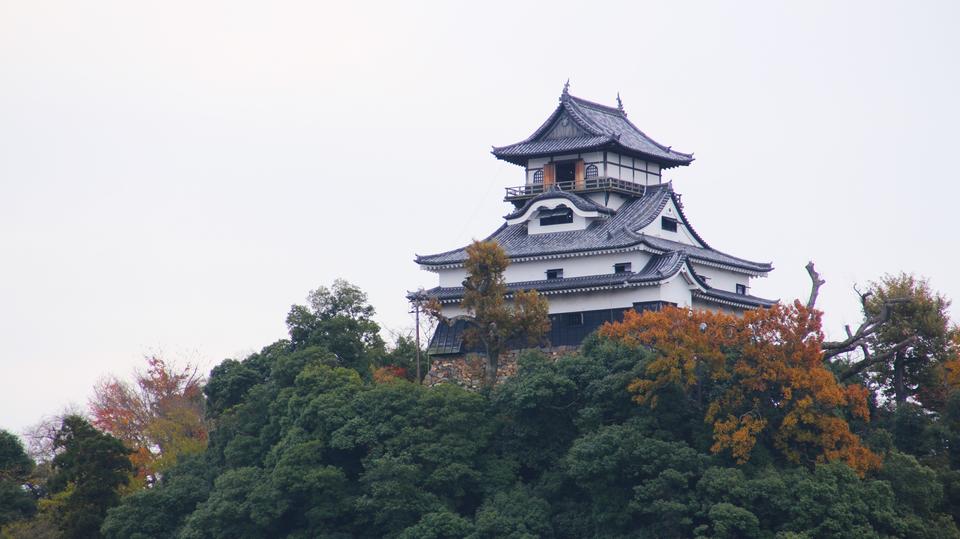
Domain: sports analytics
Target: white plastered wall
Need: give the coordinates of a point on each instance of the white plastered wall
(608, 199)
(631, 169)
(721, 279)
(580, 266)
(674, 291)
(536, 270)
(682, 234)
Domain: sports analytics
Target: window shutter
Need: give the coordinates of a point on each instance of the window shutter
(578, 174)
(549, 175)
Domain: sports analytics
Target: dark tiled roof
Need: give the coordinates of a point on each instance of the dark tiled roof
(584, 204)
(657, 268)
(617, 232)
(553, 146)
(604, 127)
(732, 298)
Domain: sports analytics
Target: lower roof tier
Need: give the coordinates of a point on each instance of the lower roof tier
(616, 232)
(658, 270)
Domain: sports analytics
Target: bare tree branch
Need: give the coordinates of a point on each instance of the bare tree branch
(816, 283)
(859, 338)
(870, 361)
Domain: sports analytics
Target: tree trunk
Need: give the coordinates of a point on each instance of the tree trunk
(490, 372)
(899, 387)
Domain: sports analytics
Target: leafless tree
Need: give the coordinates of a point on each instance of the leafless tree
(858, 339)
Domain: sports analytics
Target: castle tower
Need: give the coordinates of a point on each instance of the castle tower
(597, 231)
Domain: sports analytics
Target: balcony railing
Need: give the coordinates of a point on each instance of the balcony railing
(588, 184)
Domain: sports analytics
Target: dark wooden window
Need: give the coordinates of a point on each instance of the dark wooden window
(557, 216)
(538, 177)
(592, 171)
(651, 305)
(566, 171)
(554, 274)
(622, 267)
(668, 223)
(572, 319)
(742, 289)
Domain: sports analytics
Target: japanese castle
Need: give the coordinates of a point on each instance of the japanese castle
(596, 230)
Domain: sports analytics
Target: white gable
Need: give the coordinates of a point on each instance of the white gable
(581, 218)
(682, 234)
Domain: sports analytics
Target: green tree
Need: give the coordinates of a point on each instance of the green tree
(94, 465)
(157, 512)
(918, 314)
(302, 447)
(15, 467)
(491, 321)
(340, 320)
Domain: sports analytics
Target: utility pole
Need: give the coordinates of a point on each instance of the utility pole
(418, 299)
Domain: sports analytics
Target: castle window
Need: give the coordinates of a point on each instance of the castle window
(538, 177)
(742, 289)
(566, 171)
(554, 274)
(591, 171)
(622, 267)
(572, 319)
(557, 216)
(655, 306)
(668, 223)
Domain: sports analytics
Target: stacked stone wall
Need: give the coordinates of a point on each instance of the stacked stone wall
(467, 369)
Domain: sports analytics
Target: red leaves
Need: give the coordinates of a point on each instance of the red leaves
(158, 417)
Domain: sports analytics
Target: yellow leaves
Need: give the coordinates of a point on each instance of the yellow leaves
(739, 435)
(768, 377)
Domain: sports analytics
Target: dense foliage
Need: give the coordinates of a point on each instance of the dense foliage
(642, 433)
(752, 377)
(557, 451)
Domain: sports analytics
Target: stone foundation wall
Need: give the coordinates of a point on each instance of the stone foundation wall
(467, 369)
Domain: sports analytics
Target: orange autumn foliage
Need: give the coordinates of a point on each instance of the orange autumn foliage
(159, 417)
(759, 376)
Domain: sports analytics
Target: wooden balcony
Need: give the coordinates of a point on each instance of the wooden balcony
(586, 185)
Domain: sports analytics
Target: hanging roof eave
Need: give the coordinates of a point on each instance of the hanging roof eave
(604, 131)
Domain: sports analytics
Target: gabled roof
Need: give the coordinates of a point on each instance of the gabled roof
(616, 233)
(658, 269)
(580, 202)
(595, 126)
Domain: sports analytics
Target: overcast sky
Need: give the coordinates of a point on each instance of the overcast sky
(174, 175)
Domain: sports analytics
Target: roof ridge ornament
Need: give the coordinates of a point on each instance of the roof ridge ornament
(620, 105)
(566, 90)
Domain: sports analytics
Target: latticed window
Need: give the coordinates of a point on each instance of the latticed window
(591, 171)
(538, 176)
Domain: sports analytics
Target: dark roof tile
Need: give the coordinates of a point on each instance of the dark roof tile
(604, 126)
(616, 232)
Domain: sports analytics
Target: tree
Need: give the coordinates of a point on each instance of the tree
(340, 320)
(491, 321)
(906, 342)
(160, 416)
(90, 466)
(919, 316)
(761, 375)
(15, 468)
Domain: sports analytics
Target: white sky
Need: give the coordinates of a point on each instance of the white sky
(174, 175)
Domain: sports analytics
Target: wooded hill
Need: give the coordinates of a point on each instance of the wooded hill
(670, 424)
